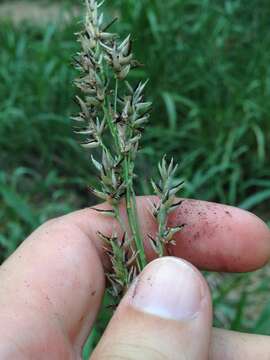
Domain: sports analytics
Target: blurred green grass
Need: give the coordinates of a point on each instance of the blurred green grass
(208, 65)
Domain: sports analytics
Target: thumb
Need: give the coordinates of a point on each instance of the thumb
(166, 314)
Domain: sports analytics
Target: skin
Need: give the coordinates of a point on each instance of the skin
(52, 286)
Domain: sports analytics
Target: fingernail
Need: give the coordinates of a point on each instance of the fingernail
(169, 288)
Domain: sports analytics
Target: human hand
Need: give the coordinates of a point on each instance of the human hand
(52, 286)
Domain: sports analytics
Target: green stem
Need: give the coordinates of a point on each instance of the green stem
(162, 220)
(132, 214)
(115, 95)
(111, 125)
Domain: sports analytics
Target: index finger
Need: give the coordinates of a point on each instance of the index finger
(215, 237)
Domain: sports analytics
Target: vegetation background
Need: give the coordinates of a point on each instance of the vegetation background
(208, 62)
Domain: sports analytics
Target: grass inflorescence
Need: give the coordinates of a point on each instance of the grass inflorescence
(112, 119)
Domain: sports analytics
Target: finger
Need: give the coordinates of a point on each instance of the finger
(166, 314)
(220, 237)
(51, 289)
(231, 345)
(216, 237)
